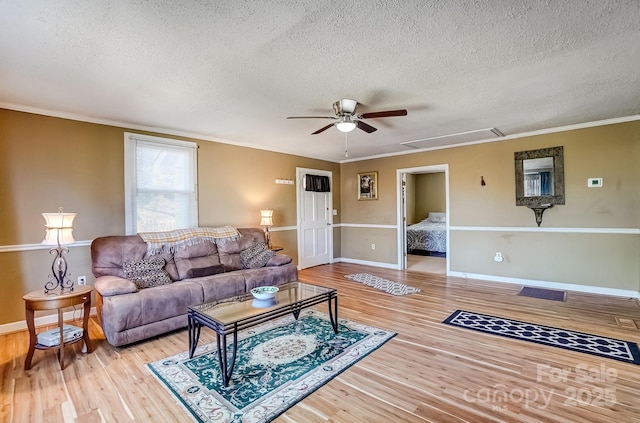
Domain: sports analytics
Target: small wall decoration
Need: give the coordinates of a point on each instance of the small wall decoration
(368, 186)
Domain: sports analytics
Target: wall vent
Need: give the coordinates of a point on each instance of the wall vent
(457, 138)
(625, 322)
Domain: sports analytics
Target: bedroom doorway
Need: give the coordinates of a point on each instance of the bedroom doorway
(429, 237)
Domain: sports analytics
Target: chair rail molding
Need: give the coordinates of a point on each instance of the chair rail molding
(32, 247)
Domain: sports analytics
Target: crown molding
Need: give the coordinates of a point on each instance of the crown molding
(194, 135)
(604, 122)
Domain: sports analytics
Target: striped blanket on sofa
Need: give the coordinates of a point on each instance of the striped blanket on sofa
(170, 241)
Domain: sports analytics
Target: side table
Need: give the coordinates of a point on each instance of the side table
(38, 300)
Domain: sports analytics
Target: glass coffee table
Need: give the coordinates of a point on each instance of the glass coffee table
(228, 316)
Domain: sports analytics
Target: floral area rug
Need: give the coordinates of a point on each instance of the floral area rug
(278, 364)
(390, 287)
(601, 346)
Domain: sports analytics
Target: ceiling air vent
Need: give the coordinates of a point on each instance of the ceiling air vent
(453, 139)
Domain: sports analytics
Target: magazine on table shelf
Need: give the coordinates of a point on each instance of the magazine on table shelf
(51, 337)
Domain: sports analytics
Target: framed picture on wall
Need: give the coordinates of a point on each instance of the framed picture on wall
(368, 186)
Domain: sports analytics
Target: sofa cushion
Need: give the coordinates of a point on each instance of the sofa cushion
(196, 256)
(230, 251)
(221, 286)
(148, 312)
(279, 260)
(108, 254)
(269, 276)
(146, 273)
(205, 271)
(256, 256)
(108, 286)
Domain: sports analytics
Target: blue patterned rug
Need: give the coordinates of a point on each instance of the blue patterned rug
(546, 335)
(278, 364)
(390, 287)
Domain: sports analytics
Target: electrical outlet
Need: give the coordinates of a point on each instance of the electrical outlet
(82, 280)
(373, 246)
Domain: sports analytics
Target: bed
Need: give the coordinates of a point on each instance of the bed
(428, 236)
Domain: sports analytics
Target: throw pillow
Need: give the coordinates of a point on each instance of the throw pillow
(146, 273)
(256, 256)
(205, 271)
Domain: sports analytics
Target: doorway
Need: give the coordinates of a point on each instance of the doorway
(423, 262)
(315, 221)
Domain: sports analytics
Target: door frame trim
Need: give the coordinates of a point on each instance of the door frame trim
(300, 171)
(402, 248)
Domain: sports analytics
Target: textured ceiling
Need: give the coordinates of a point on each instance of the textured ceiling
(234, 70)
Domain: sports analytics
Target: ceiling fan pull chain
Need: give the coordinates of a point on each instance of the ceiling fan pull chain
(346, 144)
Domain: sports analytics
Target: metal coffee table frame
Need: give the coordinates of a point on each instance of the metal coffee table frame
(197, 319)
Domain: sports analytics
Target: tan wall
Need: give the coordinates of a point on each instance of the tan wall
(430, 195)
(384, 239)
(611, 152)
(601, 260)
(47, 162)
(410, 198)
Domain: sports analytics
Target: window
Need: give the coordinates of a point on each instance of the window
(160, 180)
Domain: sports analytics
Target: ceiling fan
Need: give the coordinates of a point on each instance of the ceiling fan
(346, 119)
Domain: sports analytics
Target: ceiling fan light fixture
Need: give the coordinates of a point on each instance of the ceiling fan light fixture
(346, 126)
(347, 105)
(346, 119)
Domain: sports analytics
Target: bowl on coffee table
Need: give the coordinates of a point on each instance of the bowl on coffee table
(263, 293)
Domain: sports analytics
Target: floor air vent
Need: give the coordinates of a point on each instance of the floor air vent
(626, 323)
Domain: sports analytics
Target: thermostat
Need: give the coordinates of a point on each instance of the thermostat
(594, 182)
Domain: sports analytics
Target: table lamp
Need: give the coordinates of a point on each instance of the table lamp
(266, 221)
(59, 232)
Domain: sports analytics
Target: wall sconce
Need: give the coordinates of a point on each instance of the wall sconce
(59, 232)
(266, 221)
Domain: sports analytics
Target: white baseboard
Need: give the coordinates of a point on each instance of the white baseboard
(51, 319)
(552, 285)
(366, 263)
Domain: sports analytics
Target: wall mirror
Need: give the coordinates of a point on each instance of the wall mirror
(539, 179)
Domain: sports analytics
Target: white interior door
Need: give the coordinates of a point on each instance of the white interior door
(404, 221)
(315, 231)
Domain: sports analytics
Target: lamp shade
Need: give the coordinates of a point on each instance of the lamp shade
(346, 126)
(59, 228)
(266, 218)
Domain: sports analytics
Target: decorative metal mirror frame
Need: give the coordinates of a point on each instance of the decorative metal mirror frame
(540, 203)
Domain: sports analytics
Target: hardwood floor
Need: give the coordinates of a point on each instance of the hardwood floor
(430, 372)
(426, 264)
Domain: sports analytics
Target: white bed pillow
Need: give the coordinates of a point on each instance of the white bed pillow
(437, 217)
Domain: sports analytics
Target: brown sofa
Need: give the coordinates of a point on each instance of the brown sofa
(129, 314)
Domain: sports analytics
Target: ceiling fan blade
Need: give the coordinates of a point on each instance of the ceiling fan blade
(388, 113)
(365, 126)
(311, 117)
(322, 129)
